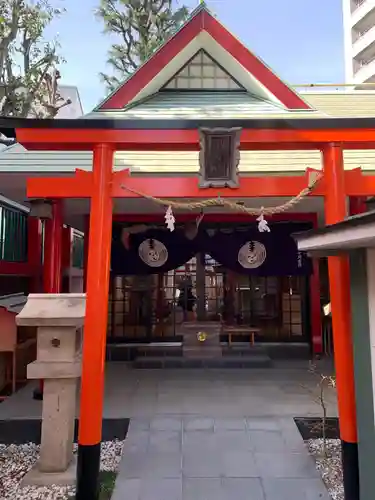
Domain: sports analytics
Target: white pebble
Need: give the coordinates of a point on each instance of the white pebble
(329, 466)
(16, 461)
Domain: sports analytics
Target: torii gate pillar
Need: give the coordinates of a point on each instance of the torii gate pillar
(339, 281)
(95, 328)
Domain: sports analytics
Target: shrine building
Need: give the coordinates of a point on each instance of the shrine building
(188, 183)
(202, 73)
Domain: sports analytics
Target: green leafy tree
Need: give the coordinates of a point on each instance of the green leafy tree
(139, 26)
(28, 63)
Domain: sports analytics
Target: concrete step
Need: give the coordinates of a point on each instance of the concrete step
(154, 362)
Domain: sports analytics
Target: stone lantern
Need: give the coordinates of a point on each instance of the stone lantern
(59, 320)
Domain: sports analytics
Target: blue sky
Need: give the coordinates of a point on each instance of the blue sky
(301, 40)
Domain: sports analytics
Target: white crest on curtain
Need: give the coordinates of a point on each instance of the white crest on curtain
(252, 255)
(153, 253)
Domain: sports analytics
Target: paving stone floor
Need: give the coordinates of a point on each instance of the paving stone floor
(288, 389)
(202, 458)
(222, 435)
(209, 434)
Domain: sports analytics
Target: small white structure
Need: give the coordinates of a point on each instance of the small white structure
(355, 237)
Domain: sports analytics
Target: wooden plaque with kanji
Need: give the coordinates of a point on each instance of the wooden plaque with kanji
(219, 157)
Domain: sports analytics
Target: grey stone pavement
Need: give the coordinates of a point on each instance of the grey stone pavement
(203, 458)
(209, 434)
(222, 435)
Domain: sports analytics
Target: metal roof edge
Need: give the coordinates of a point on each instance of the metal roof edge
(9, 125)
(350, 222)
(13, 204)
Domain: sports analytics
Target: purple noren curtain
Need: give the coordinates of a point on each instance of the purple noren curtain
(278, 257)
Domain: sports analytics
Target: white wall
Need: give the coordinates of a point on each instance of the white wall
(347, 25)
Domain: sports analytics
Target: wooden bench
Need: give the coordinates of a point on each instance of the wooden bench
(240, 330)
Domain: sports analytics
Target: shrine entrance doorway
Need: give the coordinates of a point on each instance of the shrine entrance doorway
(152, 308)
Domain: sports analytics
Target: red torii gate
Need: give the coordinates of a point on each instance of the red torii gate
(104, 137)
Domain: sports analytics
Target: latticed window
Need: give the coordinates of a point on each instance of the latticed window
(202, 73)
(13, 235)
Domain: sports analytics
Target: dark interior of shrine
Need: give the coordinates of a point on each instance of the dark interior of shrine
(227, 273)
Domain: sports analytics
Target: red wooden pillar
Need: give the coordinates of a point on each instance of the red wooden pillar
(53, 241)
(339, 282)
(95, 329)
(34, 252)
(52, 263)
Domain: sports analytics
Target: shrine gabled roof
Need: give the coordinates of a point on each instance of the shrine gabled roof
(203, 31)
(203, 105)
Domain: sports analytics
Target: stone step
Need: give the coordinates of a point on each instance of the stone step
(275, 352)
(244, 351)
(289, 351)
(224, 362)
(159, 351)
(129, 353)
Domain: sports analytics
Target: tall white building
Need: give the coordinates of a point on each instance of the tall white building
(359, 39)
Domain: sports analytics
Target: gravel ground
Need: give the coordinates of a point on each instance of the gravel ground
(15, 461)
(329, 466)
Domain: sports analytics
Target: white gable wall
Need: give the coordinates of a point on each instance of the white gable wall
(219, 54)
